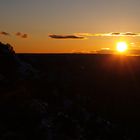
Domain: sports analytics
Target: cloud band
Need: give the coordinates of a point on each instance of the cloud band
(54, 36)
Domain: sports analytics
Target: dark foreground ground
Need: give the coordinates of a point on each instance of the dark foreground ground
(77, 96)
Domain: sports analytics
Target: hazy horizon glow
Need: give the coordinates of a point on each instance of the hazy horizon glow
(65, 26)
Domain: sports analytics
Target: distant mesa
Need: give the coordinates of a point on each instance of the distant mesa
(105, 51)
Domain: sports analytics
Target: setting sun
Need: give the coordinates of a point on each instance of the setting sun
(122, 47)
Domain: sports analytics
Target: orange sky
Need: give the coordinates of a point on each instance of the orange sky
(35, 20)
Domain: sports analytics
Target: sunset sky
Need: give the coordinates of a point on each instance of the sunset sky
(47, 26)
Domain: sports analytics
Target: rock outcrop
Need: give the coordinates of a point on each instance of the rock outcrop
(12, 68)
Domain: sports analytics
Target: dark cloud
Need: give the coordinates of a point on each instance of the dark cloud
(18, 34)
(131, 34)
(21, 35)
(66, 36)
(115, 33)
(121, 34)
(24, 36)
(4, 33)
(85, 35)
(109, 34)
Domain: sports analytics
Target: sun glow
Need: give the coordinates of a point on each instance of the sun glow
(122, 47)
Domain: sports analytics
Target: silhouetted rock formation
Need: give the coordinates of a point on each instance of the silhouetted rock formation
(6, 49)
(12, 68)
